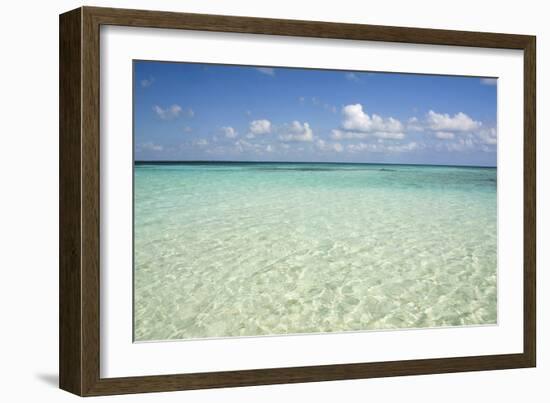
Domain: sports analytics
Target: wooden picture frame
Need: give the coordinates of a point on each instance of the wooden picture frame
(79, 348)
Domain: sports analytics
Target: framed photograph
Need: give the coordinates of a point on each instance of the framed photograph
(249, 201)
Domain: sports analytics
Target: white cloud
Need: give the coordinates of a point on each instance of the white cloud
(324, 146)
(169, 113)
(480, 140)
(488, 136)
(242, 145)
(414, 125)
(187, 129)
(389, 135)
(147, 82)
(351, 76)
(260, 126)
(444, 122)
(461, 144)
(317, 102)
(355, 119)
(444, 135)
(172, 112)
(404, 147)
(382, 148)
(359, 147)
(201, 142)
(229, 132)
(150, 146)
(357, 124)
(297, 132)
(489, 81)
(460, 132)
(266, 70)
(337, 134)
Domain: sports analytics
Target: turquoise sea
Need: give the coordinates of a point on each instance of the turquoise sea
(248, 249)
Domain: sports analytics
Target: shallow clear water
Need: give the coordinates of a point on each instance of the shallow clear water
(259, 249)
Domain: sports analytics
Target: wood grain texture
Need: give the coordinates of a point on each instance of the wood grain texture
(80, 201)
(316, 29)
(90, 202)
(70, 271)
(161, 383)
(530, 203)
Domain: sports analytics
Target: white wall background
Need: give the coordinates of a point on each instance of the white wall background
(29, 199)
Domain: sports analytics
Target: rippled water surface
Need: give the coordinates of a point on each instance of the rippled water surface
(261, 249)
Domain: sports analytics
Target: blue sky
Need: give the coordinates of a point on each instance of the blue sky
(185, 111)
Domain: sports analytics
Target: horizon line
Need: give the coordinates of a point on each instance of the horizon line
(138, 162)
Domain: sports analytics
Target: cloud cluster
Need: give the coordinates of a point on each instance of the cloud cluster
(169, 113)
(325, 146)
(488, 136)
(242, 145)
(337, 134)
(444, 122)
(357, 124)
(172, 112)
(415, 125)
(297, 131)
(461, 144)
(229, 132)
(355, 119)
(380, 147)
(260, 126)
(358, 132)
(458, 133)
